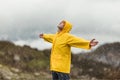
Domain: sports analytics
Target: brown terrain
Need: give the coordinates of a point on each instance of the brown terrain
(26, 63)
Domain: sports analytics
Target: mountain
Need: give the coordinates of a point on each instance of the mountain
(102, 63)
(108, 53)
(17, 61)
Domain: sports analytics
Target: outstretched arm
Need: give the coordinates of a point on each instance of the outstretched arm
(80, 42)
(47, 37)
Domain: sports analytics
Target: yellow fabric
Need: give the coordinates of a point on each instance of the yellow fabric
(49, 37)
(60, 58)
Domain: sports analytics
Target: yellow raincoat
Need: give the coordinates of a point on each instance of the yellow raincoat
(60, 59)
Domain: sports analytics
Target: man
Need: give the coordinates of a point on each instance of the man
(60, 59)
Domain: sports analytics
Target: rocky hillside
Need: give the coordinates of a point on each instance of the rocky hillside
(107, 53)
(26, 63)
(23, 63)
(102, 63)
(24, 58)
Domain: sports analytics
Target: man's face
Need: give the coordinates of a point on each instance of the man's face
(61, 25)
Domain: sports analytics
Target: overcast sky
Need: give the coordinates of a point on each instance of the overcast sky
(25, 19)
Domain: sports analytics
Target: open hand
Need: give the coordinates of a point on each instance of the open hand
(41, 35)
(93, 43)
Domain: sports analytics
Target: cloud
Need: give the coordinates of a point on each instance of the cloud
(25, 19)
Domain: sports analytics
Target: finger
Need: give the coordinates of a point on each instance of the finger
(92, 40)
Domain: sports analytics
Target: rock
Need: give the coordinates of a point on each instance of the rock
(15, 70)
(85, 77)
(8, 77)
(36, 74)
(93, 78)
(7, 74)
(90, 70)
(1, 65)
(16, 57)
(2, 53)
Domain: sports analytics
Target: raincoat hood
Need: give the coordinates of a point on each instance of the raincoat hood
(67, 28)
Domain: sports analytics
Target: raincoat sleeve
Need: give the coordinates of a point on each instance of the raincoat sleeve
(77, 42)
(48, 37)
